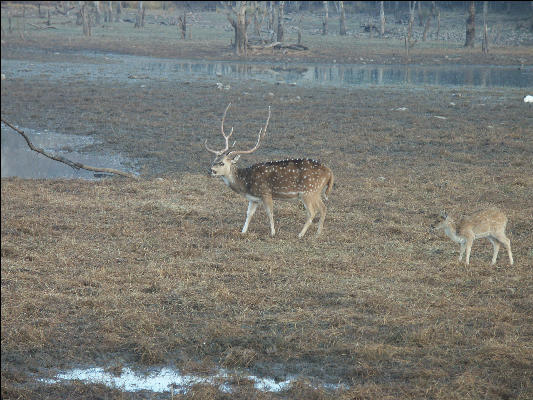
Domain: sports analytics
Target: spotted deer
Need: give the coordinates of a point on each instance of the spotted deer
(292, 179)
(489, 223)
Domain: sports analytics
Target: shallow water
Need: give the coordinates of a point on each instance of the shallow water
(123, 68)
(19, 160)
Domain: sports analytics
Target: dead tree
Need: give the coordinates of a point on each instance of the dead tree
(435, 11)
(409, 43)
(325, 19)
(300, 30)
(382, 18)
(97, 13)
(119, 11)
(85, 18)
(342, 19)
(238, 20)
(281, 30)
(139, 18)
(182, 25)
(485, 42)
(471, 25)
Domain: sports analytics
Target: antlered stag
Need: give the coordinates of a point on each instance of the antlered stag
(303, 179)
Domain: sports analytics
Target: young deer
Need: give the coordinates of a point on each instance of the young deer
(302, 179)
(489, 223)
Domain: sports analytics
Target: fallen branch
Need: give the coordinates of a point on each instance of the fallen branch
(71, 164)
(42, 27)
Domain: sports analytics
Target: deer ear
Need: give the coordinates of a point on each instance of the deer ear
(236, 158)
(443, 214)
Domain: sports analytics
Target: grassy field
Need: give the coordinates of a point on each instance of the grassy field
(154, 272)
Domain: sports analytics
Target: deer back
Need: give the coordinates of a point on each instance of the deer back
(484, 222)
(286, 178)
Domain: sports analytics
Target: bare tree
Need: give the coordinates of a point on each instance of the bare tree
(325, 19)
(471, 25)
(382, 18)
(342, 19)
(85, 18)
(485, 42)
(281, 6)
(436, 13)
(300, 30)
(139, 18)
(408, 37)
(97, 12)
(119, 11)
(237, 18)
(182, 25)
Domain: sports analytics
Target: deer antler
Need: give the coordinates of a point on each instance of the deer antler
(262, 133)
(226, 137)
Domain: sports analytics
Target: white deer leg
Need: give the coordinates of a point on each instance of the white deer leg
(468, 250)
(496, 246)
(269, 206)
(252, 206)
(507, 243)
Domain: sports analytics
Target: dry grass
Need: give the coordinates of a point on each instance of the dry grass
(155, 272)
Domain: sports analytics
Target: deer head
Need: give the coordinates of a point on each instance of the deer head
(224, 160)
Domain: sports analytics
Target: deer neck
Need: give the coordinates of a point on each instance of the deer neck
(235, 180)
(451, 232)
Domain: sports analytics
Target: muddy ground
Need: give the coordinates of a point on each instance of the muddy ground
(154, 272)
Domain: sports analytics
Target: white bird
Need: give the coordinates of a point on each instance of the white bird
(528, 99)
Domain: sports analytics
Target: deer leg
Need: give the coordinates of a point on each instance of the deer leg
(469, 242)
(252, 206)
(310, 209)
(496, 246)
(462, 251)
(323, 209)
(269, 206)
(507, 243)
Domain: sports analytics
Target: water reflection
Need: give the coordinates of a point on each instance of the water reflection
(357, 75)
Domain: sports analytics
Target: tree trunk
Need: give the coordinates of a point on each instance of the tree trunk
(342, 29)
(85, 20)
(325, 19)
(139, 16)
(97, 13)
(237, 18)
(471, 25)
(271, 16)
(485, 42)
(409, 34)
(280, 35)
(182, 25)
(382, 18)
(300, 29)
(119, 11)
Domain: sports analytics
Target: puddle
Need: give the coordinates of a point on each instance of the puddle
(19, 160)
(170, 380)
(130, 69)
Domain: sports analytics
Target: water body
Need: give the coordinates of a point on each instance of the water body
(122, 68)
(19, 160)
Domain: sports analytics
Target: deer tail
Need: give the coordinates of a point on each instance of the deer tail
(330, 185)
